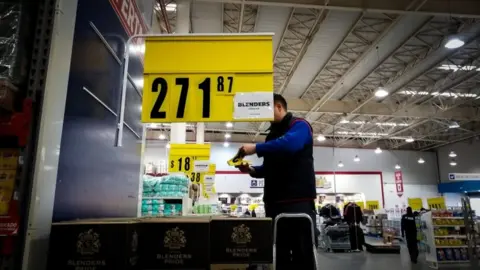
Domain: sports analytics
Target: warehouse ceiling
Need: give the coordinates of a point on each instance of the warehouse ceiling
(331, 58)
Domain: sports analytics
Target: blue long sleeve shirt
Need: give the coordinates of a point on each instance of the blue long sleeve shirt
(294, 140)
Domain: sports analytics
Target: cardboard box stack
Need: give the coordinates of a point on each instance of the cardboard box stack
(220, 243)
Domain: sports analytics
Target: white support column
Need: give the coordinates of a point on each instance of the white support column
(200, 133)
(178, 131)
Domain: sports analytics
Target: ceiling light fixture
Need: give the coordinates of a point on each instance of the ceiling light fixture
(454, 43)
(453, 163)
(340, 164)
(378, 150)
(162, 136)
(454, 125)
(356, 159)
(421, 160)
(344, 121)
(226, 144)
(321, 138)
(452, 154)
(227, 136)
(381, 92)
(409, 140)
(397, 167)
(168, 146)
(229, 124)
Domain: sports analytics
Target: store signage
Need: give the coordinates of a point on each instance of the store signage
(415, 203)
(463, 176)
(198, 84)
(257, 183)
(436, 203)
(182, 157)
(130, 16)
(372, 205)
(399, 183)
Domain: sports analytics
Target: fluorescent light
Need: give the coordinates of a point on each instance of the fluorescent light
(226, 144)
(340, 164)
(162, 136)
(409, 140)
(452, 154)
(421, 160)
(453, 163)
(321, 138)
(381, 93)
(356, 159)
(168, 146)
(152, 125)
(229, 124)
(378, 150)
(454, 43)
(227, 136)
(171, 7)
(397, 167)
(437, 94)
(344, 121)
(454, 125)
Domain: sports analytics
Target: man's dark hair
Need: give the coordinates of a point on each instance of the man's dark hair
(277, 98)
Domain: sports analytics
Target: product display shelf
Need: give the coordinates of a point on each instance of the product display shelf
(186, 203)
(444, 238)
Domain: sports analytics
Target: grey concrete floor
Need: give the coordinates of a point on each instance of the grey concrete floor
(368, 261)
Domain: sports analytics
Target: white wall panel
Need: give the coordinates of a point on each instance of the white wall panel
(467, 158)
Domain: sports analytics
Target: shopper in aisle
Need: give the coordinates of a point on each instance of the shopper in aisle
(409, 233)
(289, 182)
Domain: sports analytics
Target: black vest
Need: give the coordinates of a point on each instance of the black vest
(288, 176)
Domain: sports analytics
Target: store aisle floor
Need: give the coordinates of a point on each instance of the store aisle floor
(367, 261)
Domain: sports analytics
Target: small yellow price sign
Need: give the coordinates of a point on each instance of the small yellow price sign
(415, 203)
(182, 159)
(436, 203)
(372, 205)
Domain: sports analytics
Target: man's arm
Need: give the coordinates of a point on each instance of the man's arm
(294, 140)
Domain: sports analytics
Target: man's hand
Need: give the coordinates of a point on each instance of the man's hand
(249, 149)
(244, 168)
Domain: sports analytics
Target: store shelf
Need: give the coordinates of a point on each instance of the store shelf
(447, 217)
(464, 246)
(447, 226)
(162, 198)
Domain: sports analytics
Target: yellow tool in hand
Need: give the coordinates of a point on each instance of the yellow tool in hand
(237, 160)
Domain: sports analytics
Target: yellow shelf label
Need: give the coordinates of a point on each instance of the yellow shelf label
(372, 205)
(436, 203)
(415, 203)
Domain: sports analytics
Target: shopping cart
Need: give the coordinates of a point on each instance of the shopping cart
(299, 216)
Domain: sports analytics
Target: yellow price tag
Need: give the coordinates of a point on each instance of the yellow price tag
(182, 158)
(196, 83)
(373, 205)
(181, 164)
(436, 203)
(415, 203)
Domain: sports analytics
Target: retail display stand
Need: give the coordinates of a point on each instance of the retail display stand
(445, 238)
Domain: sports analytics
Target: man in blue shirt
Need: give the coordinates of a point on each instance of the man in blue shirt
(288, 170)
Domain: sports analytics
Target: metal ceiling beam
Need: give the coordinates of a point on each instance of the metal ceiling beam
(450, 8)
(338, 107)
(450, 142)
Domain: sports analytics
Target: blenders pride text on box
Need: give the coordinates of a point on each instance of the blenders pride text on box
(108, 244)
(175, 243)
(241, 241)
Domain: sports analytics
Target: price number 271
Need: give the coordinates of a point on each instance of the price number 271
(224, 85)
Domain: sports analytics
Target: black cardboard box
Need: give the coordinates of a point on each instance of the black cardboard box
(175, 243)
(241, 241)
(104, 244)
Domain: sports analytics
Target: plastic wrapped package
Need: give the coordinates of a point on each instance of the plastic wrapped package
(9, 39)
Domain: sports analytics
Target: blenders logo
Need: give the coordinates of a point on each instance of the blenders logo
(254, 104)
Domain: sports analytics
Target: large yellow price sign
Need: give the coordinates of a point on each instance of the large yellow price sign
(196, 83)
(361, 204)
(436, 203)
(415, 203)
(372, 205)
